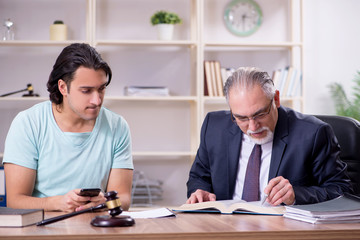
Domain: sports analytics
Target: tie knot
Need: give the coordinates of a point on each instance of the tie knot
(257, 149)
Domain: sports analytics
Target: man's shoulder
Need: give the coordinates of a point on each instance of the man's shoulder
(36, 111)
(219, 120)
(110, 114)
(112, 118)
(223, 114)
(296, 118)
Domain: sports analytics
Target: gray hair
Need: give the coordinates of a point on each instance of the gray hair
(247, 78)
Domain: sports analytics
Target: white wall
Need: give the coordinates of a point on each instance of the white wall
(331, 50)
(331, 35)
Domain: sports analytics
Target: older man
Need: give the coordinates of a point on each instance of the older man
(295, 159)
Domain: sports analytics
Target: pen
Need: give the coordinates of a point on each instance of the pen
(264, 200)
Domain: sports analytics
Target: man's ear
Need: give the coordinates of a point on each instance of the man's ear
(62, 87)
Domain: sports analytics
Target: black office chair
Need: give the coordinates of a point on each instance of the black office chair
(347, 131)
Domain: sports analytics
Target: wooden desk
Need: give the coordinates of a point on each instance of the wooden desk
(187, 226)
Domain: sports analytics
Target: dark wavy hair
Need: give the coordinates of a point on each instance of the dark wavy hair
(70, 59)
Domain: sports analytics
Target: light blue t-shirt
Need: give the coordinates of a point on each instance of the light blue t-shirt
(65, 160)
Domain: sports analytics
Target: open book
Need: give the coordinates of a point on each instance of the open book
(232, 206)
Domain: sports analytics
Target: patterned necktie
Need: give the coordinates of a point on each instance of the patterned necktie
(251, 190)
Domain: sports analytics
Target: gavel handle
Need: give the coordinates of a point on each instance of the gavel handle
(62, 217)
(10, 93)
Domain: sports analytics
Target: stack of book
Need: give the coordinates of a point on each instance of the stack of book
(145, 192)
(344, 209)
(215, 77)
(288, 81)
(11, 217)
(142, 91)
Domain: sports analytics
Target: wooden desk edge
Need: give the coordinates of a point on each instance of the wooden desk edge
(250, 235)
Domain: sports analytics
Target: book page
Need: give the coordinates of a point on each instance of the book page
(214, 205)
(258, 207)
(153, 213)
(229, 206)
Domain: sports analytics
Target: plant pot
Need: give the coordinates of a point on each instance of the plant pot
(58, 32)
(165, 31)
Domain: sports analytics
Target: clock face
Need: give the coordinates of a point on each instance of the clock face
(242, 17)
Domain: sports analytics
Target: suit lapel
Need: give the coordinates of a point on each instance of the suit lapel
(234, 140)
(279, 143)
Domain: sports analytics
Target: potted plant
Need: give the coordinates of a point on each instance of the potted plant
(165, 22)
(58, 31)
(343, 105)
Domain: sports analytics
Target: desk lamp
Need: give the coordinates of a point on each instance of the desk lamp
(30, 93)
(113, 205)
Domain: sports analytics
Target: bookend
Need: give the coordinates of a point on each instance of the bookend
(113, 205)
(114, 208)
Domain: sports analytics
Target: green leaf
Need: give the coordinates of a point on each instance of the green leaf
(343, 105)
(164, 17)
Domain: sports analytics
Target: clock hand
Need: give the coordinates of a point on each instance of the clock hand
(243, 21)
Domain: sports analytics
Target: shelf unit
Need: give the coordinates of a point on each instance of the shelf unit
(165, 130)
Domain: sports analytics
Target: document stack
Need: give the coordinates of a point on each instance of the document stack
(344, 209)
(144, 91)
(145, 192)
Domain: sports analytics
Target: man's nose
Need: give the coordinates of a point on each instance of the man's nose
(95, 98)
(253, 125)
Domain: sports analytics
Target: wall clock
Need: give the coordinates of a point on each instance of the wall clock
(243, 17)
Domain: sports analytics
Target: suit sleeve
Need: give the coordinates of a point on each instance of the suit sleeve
(200, 175)
(328, 172)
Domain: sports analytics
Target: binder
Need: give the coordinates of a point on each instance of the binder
(2, 186)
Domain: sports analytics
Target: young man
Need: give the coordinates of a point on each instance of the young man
(298, 157)
(70, 142)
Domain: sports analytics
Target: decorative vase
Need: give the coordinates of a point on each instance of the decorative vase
(58, 31)
(165, 31)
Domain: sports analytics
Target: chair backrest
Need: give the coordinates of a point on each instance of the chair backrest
(347, 131)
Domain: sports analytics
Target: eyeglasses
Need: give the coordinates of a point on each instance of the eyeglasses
(256, 117)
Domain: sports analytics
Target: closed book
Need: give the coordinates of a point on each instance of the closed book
(276, 77)
(282, 82)
(2, 185)
(219, 80)
(232, 207)
(297, 88)
(208, 78)
(292, 83)
(11, 217)
(213, 79)
(289, 76)
(224, 75)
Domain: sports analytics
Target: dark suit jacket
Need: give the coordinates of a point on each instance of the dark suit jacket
(305, 151)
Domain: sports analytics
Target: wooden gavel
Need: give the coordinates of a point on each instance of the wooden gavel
(30, 93)
(114, 208)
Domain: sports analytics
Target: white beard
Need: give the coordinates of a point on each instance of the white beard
(268, 138)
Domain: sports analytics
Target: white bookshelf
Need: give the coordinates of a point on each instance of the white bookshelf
(165, 130)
